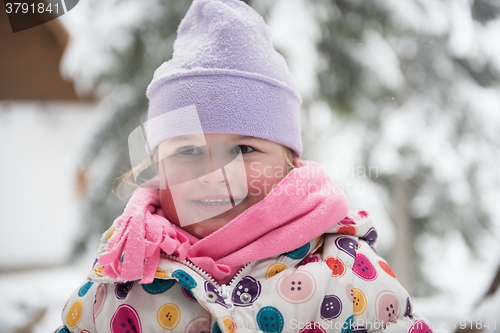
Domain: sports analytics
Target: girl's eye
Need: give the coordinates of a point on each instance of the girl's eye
(189, 150)
(244, 149)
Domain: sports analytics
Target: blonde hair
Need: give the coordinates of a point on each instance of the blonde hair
(289, 159)
(126, 178)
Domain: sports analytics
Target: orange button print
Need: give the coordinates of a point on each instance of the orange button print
(385, 266)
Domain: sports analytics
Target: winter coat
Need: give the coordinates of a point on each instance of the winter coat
(335, 283)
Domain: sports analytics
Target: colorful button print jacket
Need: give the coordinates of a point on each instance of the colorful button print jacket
(335, 283)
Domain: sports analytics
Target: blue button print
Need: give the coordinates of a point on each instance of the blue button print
(348, 325)
(216, 328)
(158, 286)
(298, 253)
(85, 288)
(184, 279)
(270, 320)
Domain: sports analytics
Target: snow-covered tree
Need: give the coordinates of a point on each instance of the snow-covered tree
(422, 78)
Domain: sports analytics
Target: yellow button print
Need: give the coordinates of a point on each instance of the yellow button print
(110, 233)
(160, 273)
(74, 315)
(229, 324)
(275, 269)
(98, 270)
(168, 316)
(359, 302)
(318, 240)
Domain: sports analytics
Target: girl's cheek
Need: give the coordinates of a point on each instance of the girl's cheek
(261, 184)
(167, 205)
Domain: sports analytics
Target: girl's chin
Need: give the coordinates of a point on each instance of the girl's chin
(205, 228)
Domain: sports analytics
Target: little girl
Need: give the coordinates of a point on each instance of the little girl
(235, 233)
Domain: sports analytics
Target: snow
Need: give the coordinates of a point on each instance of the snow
(487, 311)
(40, 145)
(23, 295)
(378, 55)
(296, 39)
(335, 146)
(424, 16)
(464, 280)
(462, 35)
(488, 39)
(94, 41)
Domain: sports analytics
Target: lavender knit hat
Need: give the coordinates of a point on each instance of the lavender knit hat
(225, 65)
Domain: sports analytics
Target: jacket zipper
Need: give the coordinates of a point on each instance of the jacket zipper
(225, 292)
(224, 289)
(192, 266)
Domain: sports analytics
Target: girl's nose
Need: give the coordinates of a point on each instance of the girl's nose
(214, 178)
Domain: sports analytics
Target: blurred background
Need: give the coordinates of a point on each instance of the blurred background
(401, 105)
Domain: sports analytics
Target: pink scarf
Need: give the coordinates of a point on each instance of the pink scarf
(304, 205)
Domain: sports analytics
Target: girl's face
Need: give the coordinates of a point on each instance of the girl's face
(197, 171)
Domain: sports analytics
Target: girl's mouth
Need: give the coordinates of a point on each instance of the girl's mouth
(215, 206)
(217, 202)
(211, 209)
(213, 202)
